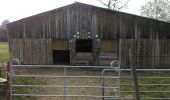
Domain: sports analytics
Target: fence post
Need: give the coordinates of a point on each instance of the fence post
(9, 88)
(135, 79)
(1, 63)
(65, 83)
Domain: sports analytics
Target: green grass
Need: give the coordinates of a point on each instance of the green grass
(149, 88)
(4, 54)
(4, 57)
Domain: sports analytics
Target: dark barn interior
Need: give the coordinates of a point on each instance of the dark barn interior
(61, 57)
(84, 45)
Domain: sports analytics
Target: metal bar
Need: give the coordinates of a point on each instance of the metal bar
(104, 67)
(59, 66)
(151, 91)
(56, 95)
(103, 94)
(43, 76)
(147, 77)
(125, 77)
(89, 96)
(155, 77)
(142, 85)
(65, 83)
(51, 86)
(141, 91)
(147, 70)
(103, 79)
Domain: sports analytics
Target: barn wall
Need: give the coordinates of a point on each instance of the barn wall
(147, 53)
(60, 44)
(109, 46)
(109, 50)
(31, 51)
(63, 23)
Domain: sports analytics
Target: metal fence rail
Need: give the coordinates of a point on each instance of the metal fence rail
(115, 88)
(12, 75)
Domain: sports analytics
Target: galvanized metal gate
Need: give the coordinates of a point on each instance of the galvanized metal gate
(101, 82)
(109, 83)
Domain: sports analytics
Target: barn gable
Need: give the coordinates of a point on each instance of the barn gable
(65, 21)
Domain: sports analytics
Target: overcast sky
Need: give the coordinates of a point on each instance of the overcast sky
(17, 9)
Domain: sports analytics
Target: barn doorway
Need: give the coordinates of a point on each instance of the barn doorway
(84, 45)
(61, 57)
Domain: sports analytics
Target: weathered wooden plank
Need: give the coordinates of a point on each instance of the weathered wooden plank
(148, 53)
(69, 20)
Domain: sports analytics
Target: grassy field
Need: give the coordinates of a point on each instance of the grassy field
(4, 57)
(58, 72)
(4, 54)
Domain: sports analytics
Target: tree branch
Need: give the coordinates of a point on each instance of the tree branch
(125, 5)
(114, 4)
(102, 2)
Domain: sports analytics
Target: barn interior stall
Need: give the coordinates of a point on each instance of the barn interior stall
(82, 34)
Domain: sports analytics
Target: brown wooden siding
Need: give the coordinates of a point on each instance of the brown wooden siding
(109, 46)
(64, 22)
(31, 51)
(60, 44)
(147, 53)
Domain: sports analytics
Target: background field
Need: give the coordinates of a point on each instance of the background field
(4, 54)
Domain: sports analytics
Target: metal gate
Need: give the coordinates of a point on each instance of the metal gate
(96, 82)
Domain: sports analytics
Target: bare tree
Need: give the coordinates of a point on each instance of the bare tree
(3, 31)
(157, 9)
(3, 24)
(115, 4)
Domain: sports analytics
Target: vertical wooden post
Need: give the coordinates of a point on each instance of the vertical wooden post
(0, 72)
(120, 52)
(1, 63)
(96, 51)
(72, 48)
(135, 79)
(9, 89)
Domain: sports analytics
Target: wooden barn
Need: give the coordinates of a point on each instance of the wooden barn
(84, 34)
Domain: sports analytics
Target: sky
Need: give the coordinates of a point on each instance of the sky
(17, 9)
